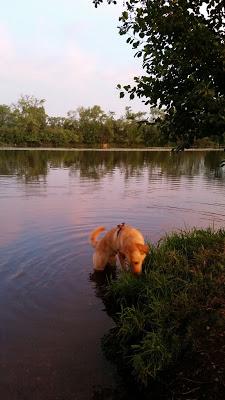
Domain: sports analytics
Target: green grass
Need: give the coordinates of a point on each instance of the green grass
(167, 311)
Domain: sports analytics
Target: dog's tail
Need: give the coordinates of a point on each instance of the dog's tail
(94, 234)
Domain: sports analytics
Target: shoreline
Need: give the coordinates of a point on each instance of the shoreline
(168, 149)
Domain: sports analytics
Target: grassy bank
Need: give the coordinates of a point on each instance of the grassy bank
(170, 323)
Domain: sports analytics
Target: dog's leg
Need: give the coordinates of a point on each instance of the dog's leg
(112, 261)
(99, 261)
(122, 261)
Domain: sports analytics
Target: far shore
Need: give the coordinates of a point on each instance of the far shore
(107, 149)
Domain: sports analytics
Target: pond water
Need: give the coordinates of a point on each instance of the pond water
(51, 316)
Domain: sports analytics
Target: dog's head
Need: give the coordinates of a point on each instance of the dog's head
(136, 255)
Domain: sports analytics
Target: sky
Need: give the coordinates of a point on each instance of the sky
(66, 52)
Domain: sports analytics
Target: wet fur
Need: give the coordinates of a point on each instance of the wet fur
(128, 245)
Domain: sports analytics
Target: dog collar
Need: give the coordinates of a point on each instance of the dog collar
(120, 227)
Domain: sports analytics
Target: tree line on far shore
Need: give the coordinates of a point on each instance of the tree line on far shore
(26, 123)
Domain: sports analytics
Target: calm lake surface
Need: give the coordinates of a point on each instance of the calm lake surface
(51, 316)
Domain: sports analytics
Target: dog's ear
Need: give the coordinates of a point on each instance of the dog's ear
(143, 248)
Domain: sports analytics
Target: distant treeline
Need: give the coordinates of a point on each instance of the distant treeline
(27, 124)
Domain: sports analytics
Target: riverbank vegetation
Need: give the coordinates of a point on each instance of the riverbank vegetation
(26, 123)
(169, 323)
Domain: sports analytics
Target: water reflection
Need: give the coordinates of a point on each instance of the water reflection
(51, 313)
(35, 165)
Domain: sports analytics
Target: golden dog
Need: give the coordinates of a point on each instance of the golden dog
(124, 241)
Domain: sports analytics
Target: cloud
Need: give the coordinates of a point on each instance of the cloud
(68, 75)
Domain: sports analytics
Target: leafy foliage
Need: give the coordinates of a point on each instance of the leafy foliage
(181, 44)
(26, 123)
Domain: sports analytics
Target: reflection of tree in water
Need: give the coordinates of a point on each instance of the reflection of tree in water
(31, 166)
(35, 165)
(212, 163)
